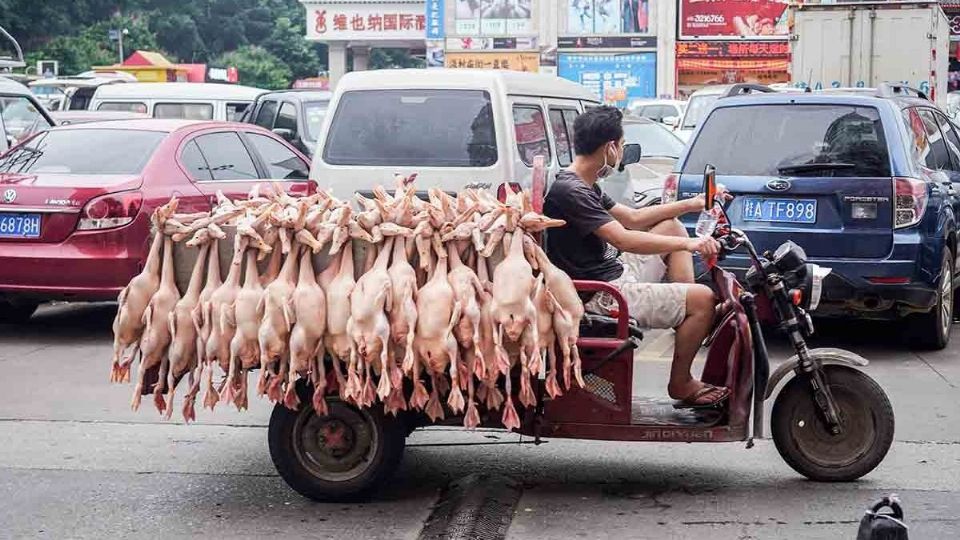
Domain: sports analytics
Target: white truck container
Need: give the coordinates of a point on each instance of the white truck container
(863, 44)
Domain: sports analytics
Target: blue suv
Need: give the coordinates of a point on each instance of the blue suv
(867, 181)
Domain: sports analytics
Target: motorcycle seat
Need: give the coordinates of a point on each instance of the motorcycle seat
(596, 325)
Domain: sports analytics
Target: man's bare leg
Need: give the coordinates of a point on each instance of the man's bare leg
(690, 335)
(679, 263)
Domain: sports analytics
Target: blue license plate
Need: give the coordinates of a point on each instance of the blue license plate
(779, 210)
(19, 225)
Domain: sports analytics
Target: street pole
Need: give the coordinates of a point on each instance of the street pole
(120, 41)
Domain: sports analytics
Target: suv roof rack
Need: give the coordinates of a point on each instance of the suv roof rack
(747, 88)
(889, 90)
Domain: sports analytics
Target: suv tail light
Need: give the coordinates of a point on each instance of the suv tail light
(910, 201)
(669, 194)
(109, 211)
(502, 191)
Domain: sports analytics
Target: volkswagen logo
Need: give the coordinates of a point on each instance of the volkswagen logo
(9, 195)
(778, 184)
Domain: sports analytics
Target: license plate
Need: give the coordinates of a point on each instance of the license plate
(19, 225)
(780, 210)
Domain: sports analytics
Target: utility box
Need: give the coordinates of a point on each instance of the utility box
(863, 44)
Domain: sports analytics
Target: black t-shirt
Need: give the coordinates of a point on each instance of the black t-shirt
(575, 248)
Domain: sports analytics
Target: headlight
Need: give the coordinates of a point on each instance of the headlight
(789, 257)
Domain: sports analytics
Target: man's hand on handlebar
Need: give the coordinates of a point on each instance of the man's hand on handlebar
(706, 247)
(696, 203)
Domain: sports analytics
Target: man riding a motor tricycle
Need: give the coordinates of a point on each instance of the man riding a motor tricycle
(648, 245)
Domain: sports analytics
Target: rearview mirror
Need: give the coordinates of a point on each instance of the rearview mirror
(671, 121)
(631, 155)
(709, 186)
(286, 134)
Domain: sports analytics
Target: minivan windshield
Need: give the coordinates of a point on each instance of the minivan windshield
(417, 128)
(792, 140)
(83, 151)
(697, 107)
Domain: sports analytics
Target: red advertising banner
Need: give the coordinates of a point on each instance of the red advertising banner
(733, 18)
(733, 49)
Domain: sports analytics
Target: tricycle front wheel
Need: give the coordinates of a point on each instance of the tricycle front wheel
(343, 456)
(805, 443)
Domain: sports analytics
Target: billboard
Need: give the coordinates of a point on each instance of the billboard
(733, 18)
(597, 17)
(368, 22)
(615, 78)
(493, 17)
(514, 61)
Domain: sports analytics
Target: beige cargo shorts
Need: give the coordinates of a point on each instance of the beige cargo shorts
(653, 303)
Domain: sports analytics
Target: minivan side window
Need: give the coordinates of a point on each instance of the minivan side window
(188, 111)
(227, 156)
(531, 133)
(235, 111)
(561, 135)
(266, 114)
(933, 154)
(281, 162)
(193, 161)
(124, 106)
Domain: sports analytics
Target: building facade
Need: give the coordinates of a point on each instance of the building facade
(623, 49)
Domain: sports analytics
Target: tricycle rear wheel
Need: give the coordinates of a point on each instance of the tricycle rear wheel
(343, 456)
(805, 443)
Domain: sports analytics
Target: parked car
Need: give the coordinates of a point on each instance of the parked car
(295, 115)
(191, 101)
(866, 183)
(70, 93)
(76, 200)
(641, 183)
(453, 127)
(20, 114)
(664, 111)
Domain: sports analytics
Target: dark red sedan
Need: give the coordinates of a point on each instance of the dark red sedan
(75, 201)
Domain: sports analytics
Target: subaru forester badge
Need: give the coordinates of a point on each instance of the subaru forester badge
(778, 184)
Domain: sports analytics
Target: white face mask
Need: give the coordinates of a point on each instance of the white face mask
(608, 169)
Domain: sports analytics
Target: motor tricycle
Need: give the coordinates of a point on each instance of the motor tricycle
(829, 422)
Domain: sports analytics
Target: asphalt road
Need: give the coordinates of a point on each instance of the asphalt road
(75, 462)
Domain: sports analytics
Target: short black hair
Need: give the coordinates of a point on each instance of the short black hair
(596, 127)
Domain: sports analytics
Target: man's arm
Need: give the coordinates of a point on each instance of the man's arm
(644, 243)
(644, 218)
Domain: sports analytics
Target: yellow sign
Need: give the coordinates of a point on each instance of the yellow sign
(516, 61)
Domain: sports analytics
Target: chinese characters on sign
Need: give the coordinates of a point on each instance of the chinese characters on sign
(435, 15)
(370, 22)
(615, 78)
(512, 61)
(733, 49)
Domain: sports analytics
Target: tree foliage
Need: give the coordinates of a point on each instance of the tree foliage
(257, 67)
(195, 31)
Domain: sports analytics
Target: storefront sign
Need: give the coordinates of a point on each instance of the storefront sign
(733, 18)
(607, 42)
(490, 44)
(695, 73)
(515, 61)
(614, 77)
(608, 16)
(435, 15)
(489, 18)
(732, 49)
(369, 22)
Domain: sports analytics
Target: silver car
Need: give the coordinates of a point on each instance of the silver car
(640, 184)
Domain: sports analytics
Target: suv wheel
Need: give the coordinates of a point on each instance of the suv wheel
(932, 330)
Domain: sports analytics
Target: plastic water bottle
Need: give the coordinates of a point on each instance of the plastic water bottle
(706, 224)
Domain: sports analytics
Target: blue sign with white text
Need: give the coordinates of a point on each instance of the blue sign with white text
(616, 78)
(435, 15)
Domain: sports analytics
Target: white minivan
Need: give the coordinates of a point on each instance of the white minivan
(453, 127)
(190, 101)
